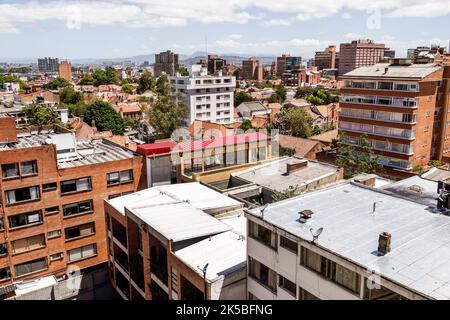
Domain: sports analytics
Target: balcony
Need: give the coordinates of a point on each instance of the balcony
(382, 85)
(385, 116)
(410, 103)
(378, 130)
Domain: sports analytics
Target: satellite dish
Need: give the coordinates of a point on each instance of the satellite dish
(316, 234)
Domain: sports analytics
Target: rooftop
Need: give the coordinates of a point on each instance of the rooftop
(196, 194)
(416, 71)
(71, 152)
(416, 188)
(273, 175)
(436, 174)
(224, 253)
(420, 255)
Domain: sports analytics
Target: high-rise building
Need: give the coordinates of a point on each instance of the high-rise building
(166, 62)
(209, 98)
(402, 107)
(65, 70)
(424, 54)
(48, 65)
(53, 187)
(252, 69)
(325, 59)
(359, 53)
(287, 63)
(215, 63)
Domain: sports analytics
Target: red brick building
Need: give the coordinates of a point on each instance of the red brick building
(359, 53)
(52, 189)
(402, 107)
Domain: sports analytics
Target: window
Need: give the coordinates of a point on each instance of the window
(49, 186)
(80, 231)
(5, 273)
(57, 256)
(51, 210)
(287, 285)
(264, 275)
(3, 249)
(28, 244)
(262, 234)
(114, 178)
(288, 244)
(78, 185)
(29, 218)
(28, 168)
(82, 252)
(331, 270)
(174, 280)
(22, 195)
(305, 295)
(54, 234)
(77, 208)
(10, 170)
(31, 266)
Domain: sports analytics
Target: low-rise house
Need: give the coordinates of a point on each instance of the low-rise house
(248, 110)
(304, 148)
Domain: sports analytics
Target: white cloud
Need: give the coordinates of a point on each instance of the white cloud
(176, 13)
(235, 36)
(353, 36)
(346, 16)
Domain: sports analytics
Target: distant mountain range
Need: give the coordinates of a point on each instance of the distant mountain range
(185, 59)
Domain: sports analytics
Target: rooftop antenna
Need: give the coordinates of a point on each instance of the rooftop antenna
(262, 208)
(374, 208)
(316, 234)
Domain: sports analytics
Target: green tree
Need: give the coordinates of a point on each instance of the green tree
(68, 95)
(279, 95)
(56, 84)
(162, 85)
(357, 160)
(87, 79)
(107, 76)
(105, 117)
(183, 71)
(40, 115)
(318, 98)
(78, 109)
(240, 97)
(145, 82)
(127, 88)
(297, 121)
(246, 125)
(303, 92)
(167, 114)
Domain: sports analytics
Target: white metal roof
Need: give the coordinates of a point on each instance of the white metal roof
(224, 253)
(420, 255)
(272, 175)
(415, 71)
(179, 221)
(198, 195)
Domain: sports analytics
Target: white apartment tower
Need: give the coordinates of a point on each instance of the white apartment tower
(209, 98)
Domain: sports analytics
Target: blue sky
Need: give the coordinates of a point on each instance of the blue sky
(121, 28)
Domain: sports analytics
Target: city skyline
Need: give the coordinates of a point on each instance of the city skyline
(92, 30)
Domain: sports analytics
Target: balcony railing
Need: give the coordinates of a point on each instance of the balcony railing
(380, 101)
(377, 130)
(382, 85)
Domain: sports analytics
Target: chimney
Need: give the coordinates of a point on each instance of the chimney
(305, 215)
(366, 179)
(293, 167)
(384, 243)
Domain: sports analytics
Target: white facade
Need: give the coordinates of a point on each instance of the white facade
(209, 98)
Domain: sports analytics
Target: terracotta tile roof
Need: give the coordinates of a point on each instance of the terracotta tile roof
(301, 146)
